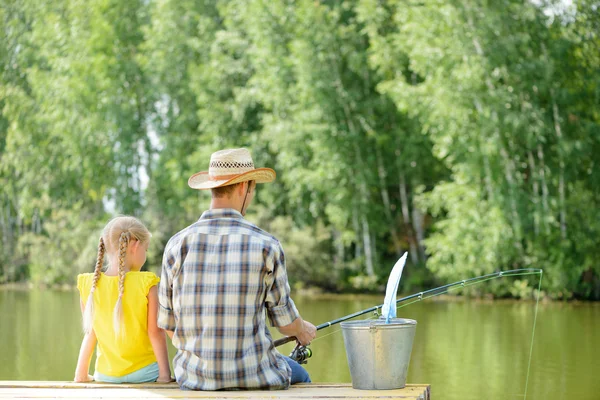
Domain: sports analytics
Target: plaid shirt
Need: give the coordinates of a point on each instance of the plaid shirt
(219, 276)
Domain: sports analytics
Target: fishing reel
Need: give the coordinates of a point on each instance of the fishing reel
(301, 354)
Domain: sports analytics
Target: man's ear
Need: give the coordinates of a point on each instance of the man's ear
(242, 188)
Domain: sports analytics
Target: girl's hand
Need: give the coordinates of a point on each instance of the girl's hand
(84, 378)
(165, 379)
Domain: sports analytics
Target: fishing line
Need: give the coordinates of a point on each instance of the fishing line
(417, 297)
(427, 294)
(324, 336)
(465, 284)
(439, 291)
(537, 302)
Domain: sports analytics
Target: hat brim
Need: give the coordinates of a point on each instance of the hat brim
(202, 180)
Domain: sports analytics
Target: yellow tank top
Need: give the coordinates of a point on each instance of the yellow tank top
(122, 355)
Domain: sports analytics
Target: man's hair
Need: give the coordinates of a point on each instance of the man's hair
(226, 191)
(223, 191)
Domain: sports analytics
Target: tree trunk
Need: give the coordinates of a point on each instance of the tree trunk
(9, 224)
(509, 171)
(338, 258)
(488, 176)
(366, 232)
(36, 223)
(4, 227)
(536, 195)
(358, 249)
(19, 226)
(540, 152)
(414, 254)
(360, 168)
(418, 222)
(561, 178)
(386, 202)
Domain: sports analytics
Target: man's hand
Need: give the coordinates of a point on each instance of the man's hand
(302, 330)
(307, 334)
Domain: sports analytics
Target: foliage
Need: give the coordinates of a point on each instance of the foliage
(465, 132)
(69, 248)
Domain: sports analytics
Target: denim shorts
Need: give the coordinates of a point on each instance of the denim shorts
(146, 374)
(299, 374)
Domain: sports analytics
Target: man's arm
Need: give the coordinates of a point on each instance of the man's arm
(304, 331)
(281, 308)
(166, 317)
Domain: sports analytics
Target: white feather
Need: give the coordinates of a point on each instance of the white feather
(389, 304)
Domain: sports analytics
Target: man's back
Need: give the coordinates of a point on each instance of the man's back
(219, 275)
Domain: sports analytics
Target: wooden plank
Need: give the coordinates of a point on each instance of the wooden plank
(70, 390)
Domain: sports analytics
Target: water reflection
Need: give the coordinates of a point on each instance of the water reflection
(464, 349)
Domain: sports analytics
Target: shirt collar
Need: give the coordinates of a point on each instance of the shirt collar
(221, 213)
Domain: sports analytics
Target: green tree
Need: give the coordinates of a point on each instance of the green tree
(486, 84)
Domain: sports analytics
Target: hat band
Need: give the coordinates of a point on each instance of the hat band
(224, 177)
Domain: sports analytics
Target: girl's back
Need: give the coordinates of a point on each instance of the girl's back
(124, 353)
(120, 310)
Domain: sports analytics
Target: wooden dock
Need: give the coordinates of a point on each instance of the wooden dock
(70, 390)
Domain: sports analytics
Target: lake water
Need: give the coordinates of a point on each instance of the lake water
(464, 349)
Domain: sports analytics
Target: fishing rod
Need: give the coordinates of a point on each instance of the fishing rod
(301, 353)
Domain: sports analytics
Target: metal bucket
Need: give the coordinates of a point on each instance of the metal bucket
(379, 353)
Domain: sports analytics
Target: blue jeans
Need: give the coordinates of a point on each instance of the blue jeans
(299, 374)
(142, 375)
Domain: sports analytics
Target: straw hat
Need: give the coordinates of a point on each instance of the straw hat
(228, 167)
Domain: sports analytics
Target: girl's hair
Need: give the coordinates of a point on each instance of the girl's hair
(115, 239)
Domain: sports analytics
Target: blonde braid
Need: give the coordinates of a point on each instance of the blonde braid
(118, 312)
(88, 314)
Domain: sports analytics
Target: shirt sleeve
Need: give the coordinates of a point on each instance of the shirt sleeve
(280, 306)
(166, 317)
(150, 280)
(83, 285)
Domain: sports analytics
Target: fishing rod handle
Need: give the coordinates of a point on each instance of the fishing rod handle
(284, 340)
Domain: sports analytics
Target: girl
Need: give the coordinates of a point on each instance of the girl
(119, 309)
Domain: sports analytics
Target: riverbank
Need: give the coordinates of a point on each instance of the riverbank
(482, 299)
(31, 286)
(317, 294)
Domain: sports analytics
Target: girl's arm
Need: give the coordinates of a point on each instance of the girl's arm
(157, 338)
(85, 355)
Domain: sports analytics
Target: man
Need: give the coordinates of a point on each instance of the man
(220, 276)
